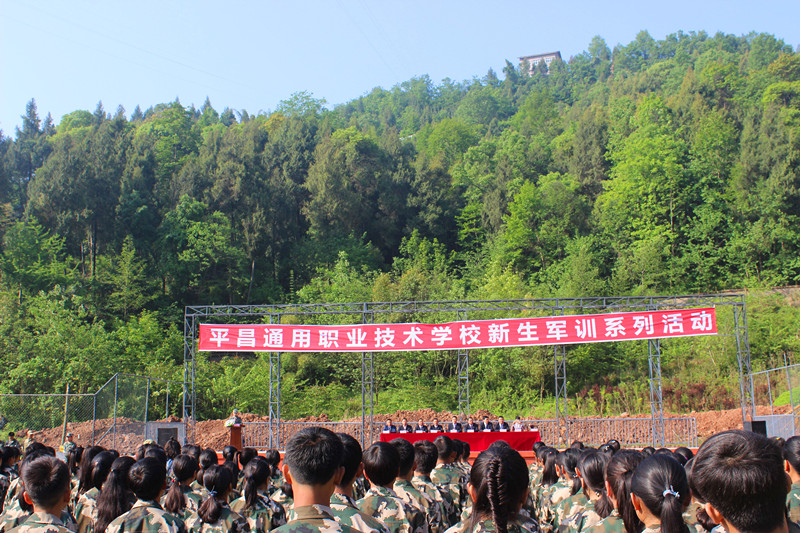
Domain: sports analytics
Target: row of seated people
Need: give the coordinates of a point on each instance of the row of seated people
(738, 482)
(454, 426)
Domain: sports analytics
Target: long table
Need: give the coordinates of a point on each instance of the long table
(519, 440)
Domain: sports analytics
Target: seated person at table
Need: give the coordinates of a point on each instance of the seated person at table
(388, 427)
(517, 425)
(404, 427)
(502, 425)
(436, 427)
(420, 428)
(454, 426)
(740, 476)
(471, 426)
(486, 425)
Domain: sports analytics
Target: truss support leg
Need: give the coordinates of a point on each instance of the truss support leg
(656, 398)
(463, 374)
(367, 390)
(560, 358)
(743, 359)
(189, 373)
(275, 393)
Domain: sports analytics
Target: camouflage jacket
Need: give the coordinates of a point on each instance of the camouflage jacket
(360, 488)
(451, 479)
(442, 497)
(86, 510)
(313, 519)
(42, 523)
(386, 506)
(282, 498)
(569, 507)
(611, 524)
(346, 511)
(487, 526)
(228, 521)
(191, 501)
(582, 519)
(14, 515)
(147, 517)
(793, 503)
(11, 493)
(264, 516)
(416, 498)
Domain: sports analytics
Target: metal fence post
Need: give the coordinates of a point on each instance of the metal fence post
(146, 406)
(94, 414)
(116, 395)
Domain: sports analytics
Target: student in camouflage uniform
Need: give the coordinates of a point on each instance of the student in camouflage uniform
(660, 493)
(592, 468)
(619, 473)
(180, 499)
(408, 492)
(343, 503)
(47, 487)
(115, 498)
(381, 464)
(791, 463)
(447, 475)
(86, 507)
(498, 486)
(147, 478)
(214, 514)
(312, 466)
(255, 505)
(425, 455)
(741, 477)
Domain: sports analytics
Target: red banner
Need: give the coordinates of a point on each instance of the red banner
(467, 334)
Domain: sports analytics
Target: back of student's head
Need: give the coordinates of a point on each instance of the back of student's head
(614, 443)
(425, 454)
(184, 468)
(233, 468)
(576, 445)
(313, 455)
(99, 468)
(146, 478)
(208, 458)
(351, 458)
(229, 453)
(568, 461)
(406, 452)
(791, 452)
(273, 457)
(466, 450)
(381, 463)
(444, 446)
(256, 475)
(619, 473)
(247, 455)
(660, 483)
(685, 452)
(499, 478)
(74, 459)
(172, 448)
(592, 466)
(85, 470)
(549, 472)
(648, 451)
(193, 450)
(158, 454)
(114, 498)
(458, 448)
(46, 481)
(741, 475)
(217, 481)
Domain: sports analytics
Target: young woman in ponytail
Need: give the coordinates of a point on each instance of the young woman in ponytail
(86, 507)
(214, 514)
(791, 464)
(180, 499)
(592, 466)
(115, 498)
(498, 485)
(567, 499)
(262, 513)
(619, 473)
(660, 494)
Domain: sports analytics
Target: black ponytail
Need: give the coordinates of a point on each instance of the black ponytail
(184, 468)
(660, 483)
(619, 472)
(592, 466)
(549, 473)
(114, 498)
(256, 474)
(217, 480)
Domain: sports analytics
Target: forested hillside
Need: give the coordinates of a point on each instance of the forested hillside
(658, 167)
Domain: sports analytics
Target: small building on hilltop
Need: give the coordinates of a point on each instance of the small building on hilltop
(530, 62)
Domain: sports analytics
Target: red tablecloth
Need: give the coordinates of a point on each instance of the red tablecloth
(519, 440)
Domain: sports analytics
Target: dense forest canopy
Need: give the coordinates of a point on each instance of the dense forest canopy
(659, 167)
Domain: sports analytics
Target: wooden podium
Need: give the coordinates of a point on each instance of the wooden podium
(236, 436)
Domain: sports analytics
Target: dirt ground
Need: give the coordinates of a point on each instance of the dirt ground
(214, 434)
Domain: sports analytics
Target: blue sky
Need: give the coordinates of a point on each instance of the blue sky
(250, 55)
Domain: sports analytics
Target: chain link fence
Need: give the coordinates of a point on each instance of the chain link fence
(779, 389)
(122, 413)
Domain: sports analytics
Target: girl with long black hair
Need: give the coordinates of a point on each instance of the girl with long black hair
(660, 494)
(262, 513)
(116, 497)
(214, 514)
(619, 473)
(180, 499)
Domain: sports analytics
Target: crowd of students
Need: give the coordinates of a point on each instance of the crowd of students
(738, 482)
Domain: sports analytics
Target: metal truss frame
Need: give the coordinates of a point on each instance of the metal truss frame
(538, 307)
